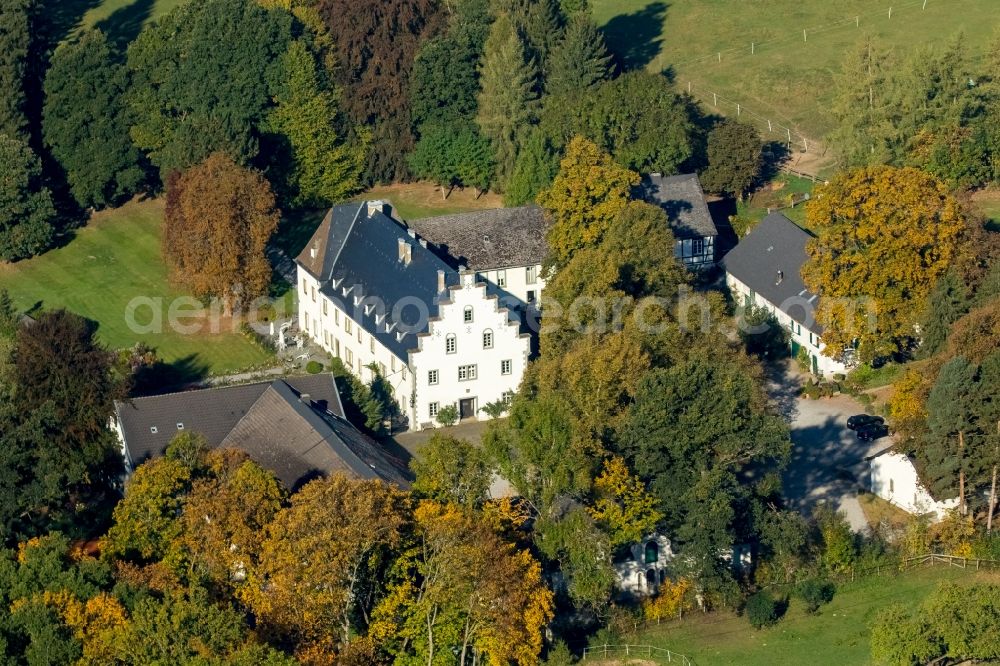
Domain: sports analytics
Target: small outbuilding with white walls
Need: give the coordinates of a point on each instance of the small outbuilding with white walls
(894, 478)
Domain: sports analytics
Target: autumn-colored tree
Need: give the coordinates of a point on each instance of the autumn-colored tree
(885, 235)
(321, 560)
(376, 42)
(478, 598)
(219, 217)
(671, 600)
(622, 506)
(586, 195)
(224, 515)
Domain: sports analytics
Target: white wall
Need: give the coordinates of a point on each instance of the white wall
(894, 479)
(802, 336)
(515, 281)
(490, 383)
(633, 574)
(356, 347)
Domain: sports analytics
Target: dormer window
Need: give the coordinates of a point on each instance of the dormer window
(153, 429)
(180, 426)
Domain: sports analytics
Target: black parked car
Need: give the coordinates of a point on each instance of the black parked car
(872, 431)
(859, 421)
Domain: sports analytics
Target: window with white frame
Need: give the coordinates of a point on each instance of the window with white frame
(531, 274)
(466, 372)
(450, 344)
(307, 320)
(371, 345)
(488, 339)
(432, 409)
(506, 366)
(347, 325)
(501, 278)
(359, 334)
(392, 363)
(404, 373)
(350, 357)
(467, 314)
(305, 290)
(314, 294)
(432, 376)
(325, 310)
(336, 316)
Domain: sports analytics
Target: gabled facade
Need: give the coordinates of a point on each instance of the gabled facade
(373, 294)
(683, 200)
(765, 270)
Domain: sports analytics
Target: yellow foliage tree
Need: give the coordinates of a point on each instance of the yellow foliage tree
(885, 235)
(671, 600)
(586, 195)
(319, 553)
(624, 507)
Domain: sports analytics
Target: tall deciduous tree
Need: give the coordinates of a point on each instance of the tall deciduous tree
(376, 42)
(339, 533)
(588, 192)
(579, 61)
(885, 236)
(325, 167)
(734, 158)
(190, 97)
(219, 217)
(449, 469)
(507, 99)
(86, 125)
(27, 213)
(478, 598)
(15, 43)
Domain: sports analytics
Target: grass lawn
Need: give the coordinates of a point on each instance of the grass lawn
(787, 80)
(412, 201)
(879, 512)
(838, 635)
(114, 259)
(776, 194)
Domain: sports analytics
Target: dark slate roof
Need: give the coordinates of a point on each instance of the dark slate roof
(776, 244)
(357, 248)
(684, 202)
(270, 420)
(488, 239)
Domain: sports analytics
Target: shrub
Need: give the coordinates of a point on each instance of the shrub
(814, 593)
(447, 415)
(314, 367)
(761, 610)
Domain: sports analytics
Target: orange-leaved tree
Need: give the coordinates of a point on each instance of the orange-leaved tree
(219, 217)
(885, 235)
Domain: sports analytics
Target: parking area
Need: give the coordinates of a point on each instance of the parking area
(828, 461)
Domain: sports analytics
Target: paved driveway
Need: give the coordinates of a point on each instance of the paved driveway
(827, 463)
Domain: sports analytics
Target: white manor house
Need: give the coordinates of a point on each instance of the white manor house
(442, 318)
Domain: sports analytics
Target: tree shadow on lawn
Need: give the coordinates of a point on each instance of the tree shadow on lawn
(635, 39)
(162, 377)
(125, 24)
(60, 18)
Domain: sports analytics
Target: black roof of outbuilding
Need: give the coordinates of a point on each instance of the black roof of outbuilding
(683, 200)
(488, 239)
(776, 245)
(292, 426)
(356, 248)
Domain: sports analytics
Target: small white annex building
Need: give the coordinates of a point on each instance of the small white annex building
(764, 270)
(372, 291)
(642, 567)
(894, 478)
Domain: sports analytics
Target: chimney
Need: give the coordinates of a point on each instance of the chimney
(305, 399)
(375, 206)
(404, 251)
(412, 232)
(781, 276)
(440, 281)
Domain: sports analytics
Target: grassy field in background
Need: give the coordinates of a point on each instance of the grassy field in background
(838, 635)
(114, 259)
(787, 79)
